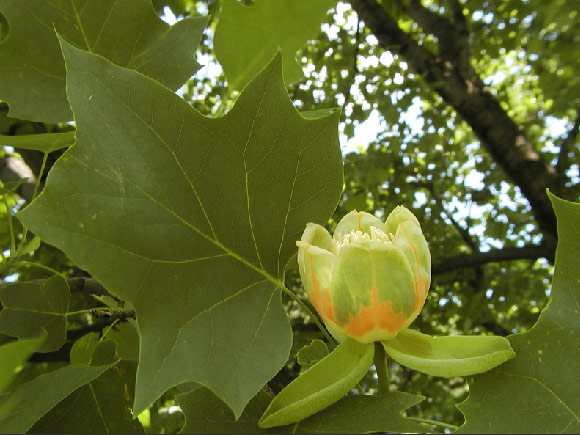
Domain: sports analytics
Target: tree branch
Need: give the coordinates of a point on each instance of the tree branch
(464, 91)
(88, 286)
(531, 252)
(567, 145)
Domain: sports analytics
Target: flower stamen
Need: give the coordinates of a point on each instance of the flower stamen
(376, 235)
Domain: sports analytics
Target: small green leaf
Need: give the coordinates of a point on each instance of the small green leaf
(28, 307)
(103, 405)
(28, 402)
(14, 354)
(448, 356)
(312, 353)
(127, 339)
(47, 142)
(31, 246)
(246, 38)
(82, 349)
(321, 386)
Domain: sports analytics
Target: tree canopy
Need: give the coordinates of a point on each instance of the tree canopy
(156, 177)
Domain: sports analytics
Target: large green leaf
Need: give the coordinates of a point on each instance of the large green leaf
(246, 38)
(322, 385)
(28, 402)
(103, 405)
(30, 307)
(538, 391)
(14, 354)
(448, 356)
(205, 413)
(129, 33)
(190, 219)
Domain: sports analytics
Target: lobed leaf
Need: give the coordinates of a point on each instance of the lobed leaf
(129, 33)
(190, 219)
(448, 356)
(538, 392)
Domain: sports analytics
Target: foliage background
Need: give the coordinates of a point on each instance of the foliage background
(469, 69)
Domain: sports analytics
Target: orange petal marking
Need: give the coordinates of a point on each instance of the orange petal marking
(379, 314)
(421, 283)
(320, 299)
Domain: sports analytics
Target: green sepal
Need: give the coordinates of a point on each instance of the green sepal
(448, 356)
(321, 386)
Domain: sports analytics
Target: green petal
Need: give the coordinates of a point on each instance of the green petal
(325, 383)
(357, 221)
(448, 356)
(315, 266)
(398, 215)
(316, 235)
(362, 266)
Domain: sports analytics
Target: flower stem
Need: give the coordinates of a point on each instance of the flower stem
(433, 422)
(381, 368)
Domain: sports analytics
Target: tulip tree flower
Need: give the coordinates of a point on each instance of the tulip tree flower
(371, 279)
(368, 282)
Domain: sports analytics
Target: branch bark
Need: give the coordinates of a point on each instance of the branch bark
(568, 145)
(476, 259)
(459, 85)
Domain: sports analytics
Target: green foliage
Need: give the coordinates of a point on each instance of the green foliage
(544, 369)
(46, 143)
(205, 413)
(30, 308)
(14, 354)
(312, 353)
(129, 34)
(230, 268)
(246, 38)
(183, 211)
(30, 401)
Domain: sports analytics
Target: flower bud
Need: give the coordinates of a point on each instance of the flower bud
(370, 279)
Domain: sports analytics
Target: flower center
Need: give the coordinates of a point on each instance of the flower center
(376, 235)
